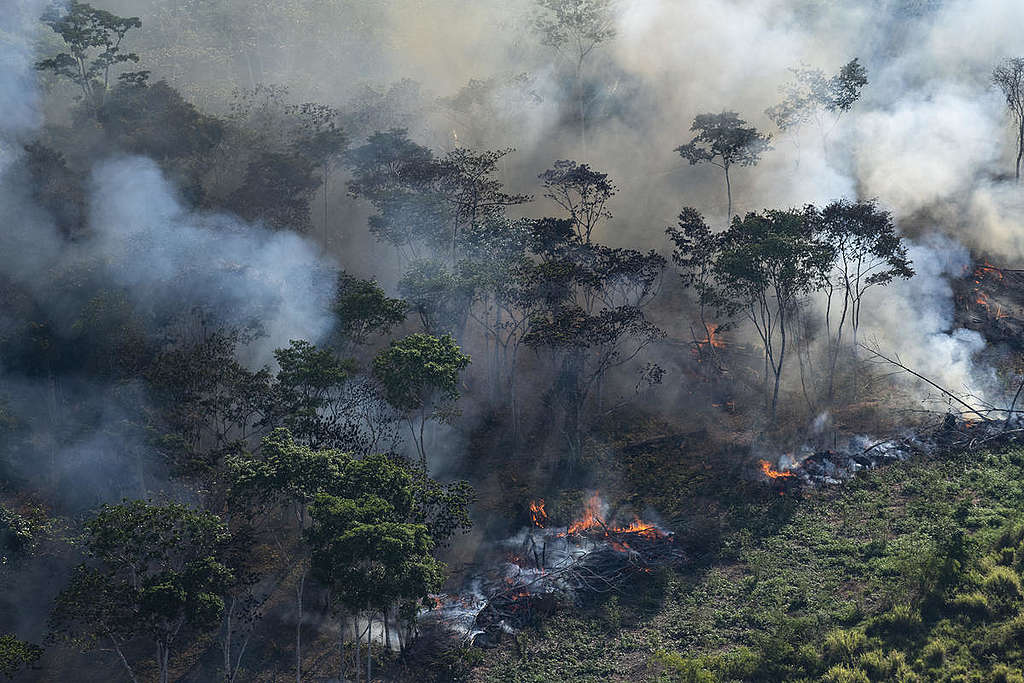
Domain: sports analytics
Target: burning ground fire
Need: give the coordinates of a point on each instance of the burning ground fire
(773, 473)
(544, 565)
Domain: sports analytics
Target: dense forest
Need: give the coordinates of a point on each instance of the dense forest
(532, 340)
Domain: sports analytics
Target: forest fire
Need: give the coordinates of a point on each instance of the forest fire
(773, 473)
(713, 339)
(537, 514)
(541, 567)
(591, 520)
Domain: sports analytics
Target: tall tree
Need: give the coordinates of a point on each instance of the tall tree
(152, 572)
(724, 140)
(420, 375)
(574, 29)
(362, 308)
(766, 263)
(696, 248)
(811, 94)
(868, 253)
(277, 486)
(93, 39)
(583, 194)
(369, 548)
(1009, 77)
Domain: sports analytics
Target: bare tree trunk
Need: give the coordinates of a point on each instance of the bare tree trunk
(355, 632)
(1020, 145)
(369, 647)
(728, 196)
(298, 625)
(124, 660)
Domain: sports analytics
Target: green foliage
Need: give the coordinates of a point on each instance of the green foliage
(93, 39)
(845, 674)
(811, 92)
(420, 368)
(1002, 587)
(842, 645)
(365, 546)
(152, 572)
(362, 308)
(683, 669)
(15, 654)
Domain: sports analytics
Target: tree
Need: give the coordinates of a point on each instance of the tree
(398, 177)
(766, 262)
(152, 572)
(574, 28)
(322, 140)
(324, 404)
(276, 190)
(93, 38)
(440, 297)
(810, 94)
(696, 248)
(385, 496)
(15, 654)
(467, 184)
(586, 305)
(1009, 77)
(367, 546)
(362, 308)
(868, 253)
(286, 477)
(723, 140)
(581, 192)
(420, 376)
(209, 405)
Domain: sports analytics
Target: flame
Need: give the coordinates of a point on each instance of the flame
(591, 519)
(537, 514)
(771, 472)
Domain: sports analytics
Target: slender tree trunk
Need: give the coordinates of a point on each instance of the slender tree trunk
(124, 660)
(1020, 145)
(298, 625)
(728, 197)
(778, 369)
(358, 636)
(582, 106)
(369, 647)
(341, 646)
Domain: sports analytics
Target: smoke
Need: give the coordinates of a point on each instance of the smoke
(171, 258)
(82, 438)
(928, 139)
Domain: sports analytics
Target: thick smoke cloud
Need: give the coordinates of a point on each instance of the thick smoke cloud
(170, 257)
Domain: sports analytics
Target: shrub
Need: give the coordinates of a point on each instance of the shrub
(1004, 674)
(845, 674)
(973, 605)
(738, 664)
(1002, 586)
(901, 620)
(935, 652)
(880, 666)
(842, 644)
(683, 669)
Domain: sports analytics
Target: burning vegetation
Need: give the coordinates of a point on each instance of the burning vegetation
(545, 566)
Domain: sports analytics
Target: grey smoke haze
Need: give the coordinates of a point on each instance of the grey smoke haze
(170, 257)
(928, 138)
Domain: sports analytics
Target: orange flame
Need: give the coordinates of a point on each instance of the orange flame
(773, 473)
(537, 514)
(592, 520)
(713, 339)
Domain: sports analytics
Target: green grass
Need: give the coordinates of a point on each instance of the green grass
(911, 572)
